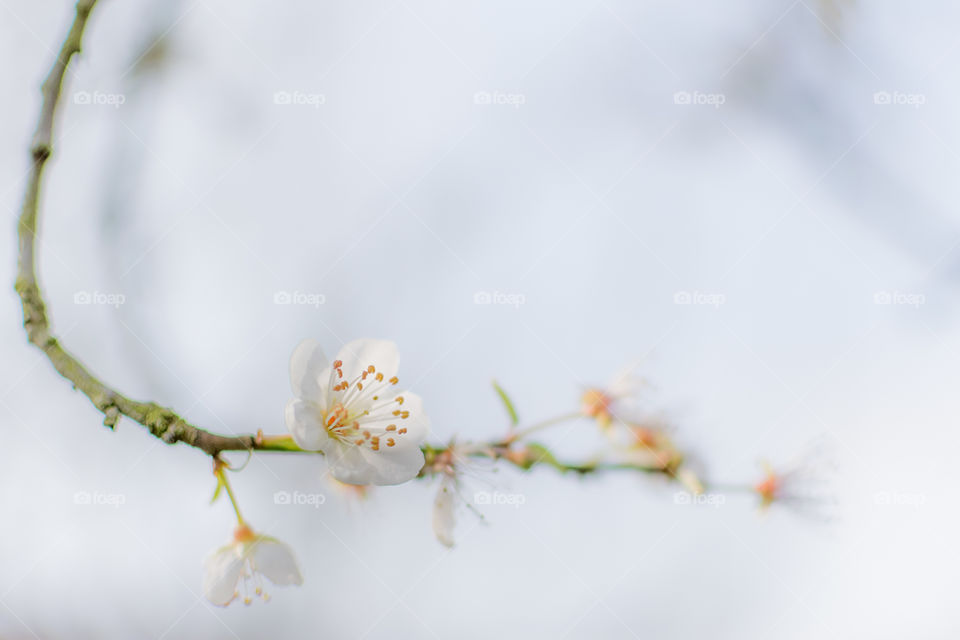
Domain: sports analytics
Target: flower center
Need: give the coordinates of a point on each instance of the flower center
(364, 412)
(768, 487)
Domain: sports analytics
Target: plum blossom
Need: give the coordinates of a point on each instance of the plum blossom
(649, 444)
(349, 409)
(616, 401)
(247, 559)
(453, 465)
(803, 486)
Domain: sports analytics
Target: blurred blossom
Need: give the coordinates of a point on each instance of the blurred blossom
(348, 409)
(444, 506)
(247, 559)
(616, 401)
(803, 486)
(453, 465)
(649, 445)
(352, 492)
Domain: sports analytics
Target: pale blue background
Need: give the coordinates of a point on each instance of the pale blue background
(398, 199)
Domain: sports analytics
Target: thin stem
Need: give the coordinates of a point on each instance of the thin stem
(222, 477)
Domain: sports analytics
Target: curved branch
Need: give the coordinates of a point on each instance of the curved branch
(162, 422)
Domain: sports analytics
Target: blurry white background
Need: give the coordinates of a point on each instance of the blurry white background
(434, 150)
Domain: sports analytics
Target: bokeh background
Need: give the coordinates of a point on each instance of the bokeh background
(597, 158)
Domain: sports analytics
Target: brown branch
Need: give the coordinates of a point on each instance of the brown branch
(162, 422)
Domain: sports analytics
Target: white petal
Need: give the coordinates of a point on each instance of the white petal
(221, 573)
(307, 365)
(393, 465)
(417, 423)
(275, 560)
(359, 354)
(305, 423)
(443, 520)
(348, 465)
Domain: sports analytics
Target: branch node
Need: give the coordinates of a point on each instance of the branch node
(40, 151)
(110, 416)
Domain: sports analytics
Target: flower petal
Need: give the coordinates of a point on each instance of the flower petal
(359, 354)
(443, 520)
(221, 573)
(305, 422)
(306, 368)
(276, 561)
(395, 465)
(417, 423)
(348, 465)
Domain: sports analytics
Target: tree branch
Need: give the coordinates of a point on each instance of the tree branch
(162, 422)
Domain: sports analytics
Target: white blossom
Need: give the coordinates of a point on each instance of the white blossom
(350, 410)
(242, 564)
